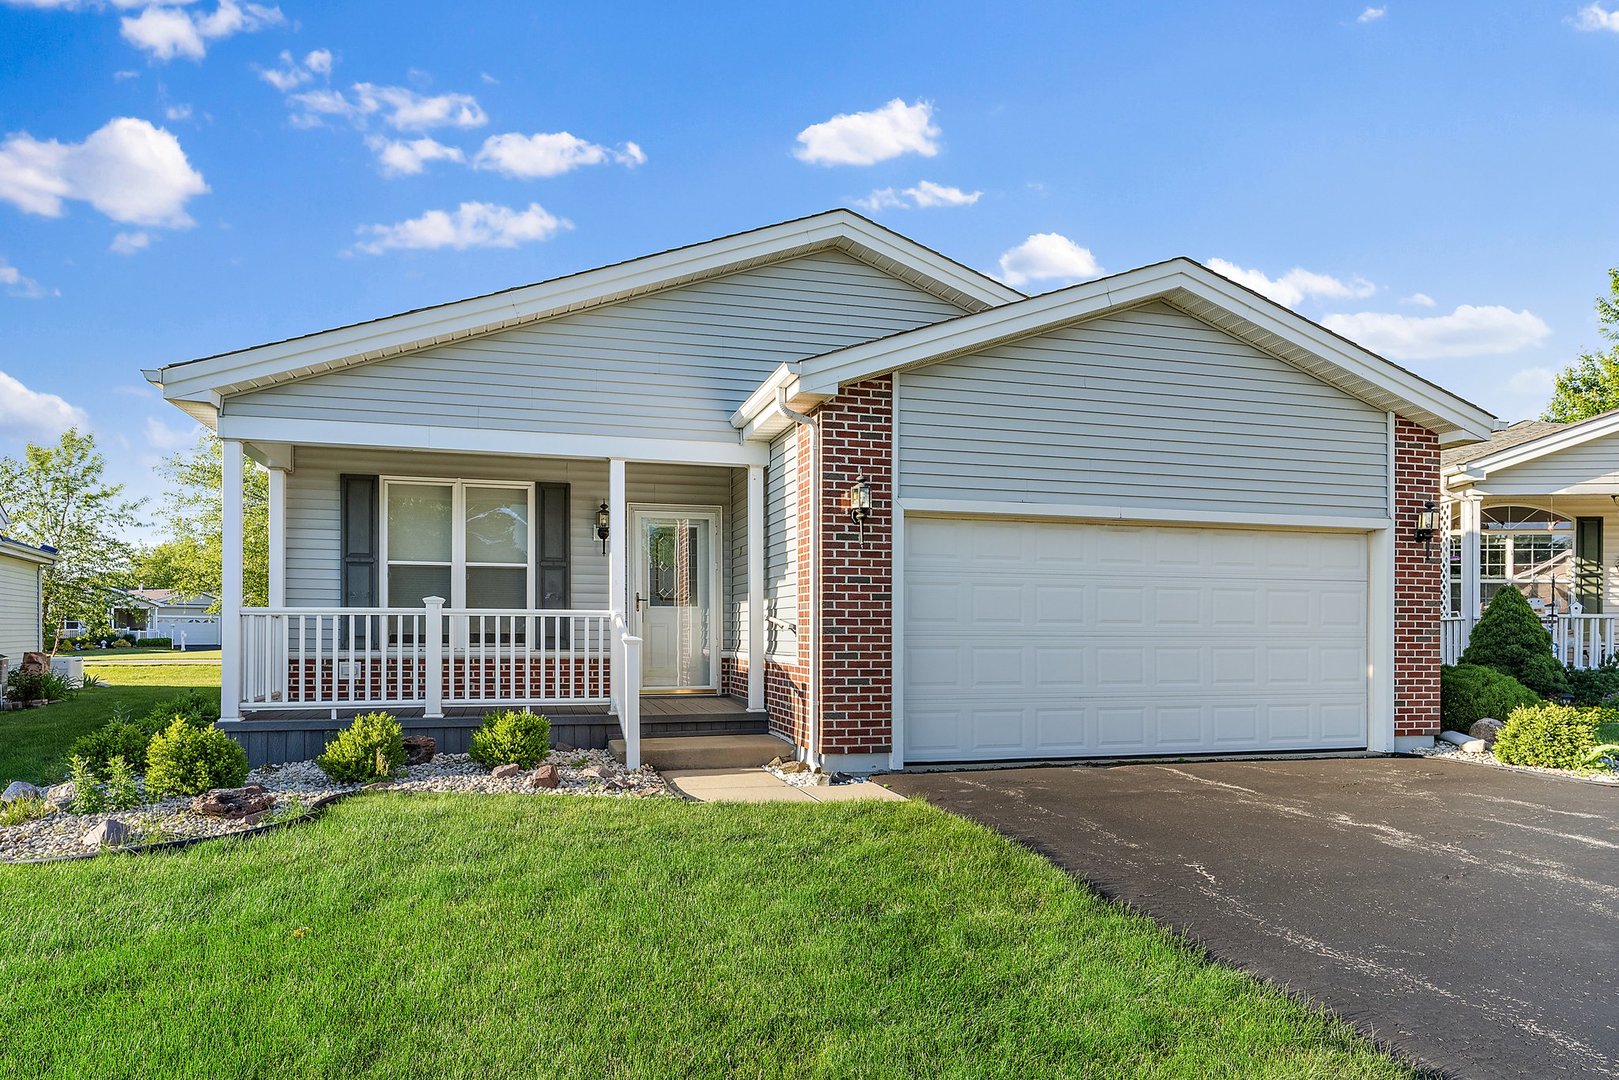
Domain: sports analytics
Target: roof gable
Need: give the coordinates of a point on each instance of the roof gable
(1529, 441)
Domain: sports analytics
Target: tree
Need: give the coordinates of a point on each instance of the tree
(1590, 385)
(189, 561)
(1510, 639)
(57, 497)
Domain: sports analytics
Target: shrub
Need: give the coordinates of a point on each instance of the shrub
(25, 686)
(187, 760)
(154, 643)
(119, 739)
(87, 795)
(197, 709)
(1550, 736)
(1470, 692)
(370, 748)
(123, 793)
(18, 811)
(511, 737)
(1594, 685)
(1510, 639)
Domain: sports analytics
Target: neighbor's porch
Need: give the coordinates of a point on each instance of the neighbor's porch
(437, 586)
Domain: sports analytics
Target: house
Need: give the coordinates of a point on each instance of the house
(1536, 508)
(167, 613)
(22, 596)
(819, 477)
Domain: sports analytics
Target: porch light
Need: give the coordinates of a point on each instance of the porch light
(602, 530)
(860, 501)
(1427, 525)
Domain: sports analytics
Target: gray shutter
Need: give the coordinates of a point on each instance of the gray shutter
(1588, 564)
(551, 569)
(357, 540)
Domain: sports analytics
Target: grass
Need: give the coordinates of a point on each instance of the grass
(34, 742)
(423, 935)
(121, 654)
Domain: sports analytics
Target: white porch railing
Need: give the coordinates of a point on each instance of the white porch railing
(300, 658)
(1585, 641)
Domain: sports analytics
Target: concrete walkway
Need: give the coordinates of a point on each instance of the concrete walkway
(756, 785)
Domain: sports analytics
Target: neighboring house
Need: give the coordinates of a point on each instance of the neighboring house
(1536, 508)
(165, 613)
(22, 594)
(899, 509)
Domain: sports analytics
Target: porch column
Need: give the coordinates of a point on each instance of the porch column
(1472, 561)
(230, 582)
(618, 547)
(756, 587)
(278, 538)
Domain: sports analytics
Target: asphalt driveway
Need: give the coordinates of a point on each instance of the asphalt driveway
(1467, 916)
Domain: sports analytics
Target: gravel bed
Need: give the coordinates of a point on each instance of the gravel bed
(297, 784)
(1452, 752)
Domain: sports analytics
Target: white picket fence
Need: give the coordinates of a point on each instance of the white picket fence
(1585, 641)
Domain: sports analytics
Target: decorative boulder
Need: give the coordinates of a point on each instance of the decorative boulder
(1486, 729)
(234, 803)
(36, 663)
(21, 789)
(593, 772)
(110, 833)
(59, 795)
(505, 772)
(546, 776)
(419, 749)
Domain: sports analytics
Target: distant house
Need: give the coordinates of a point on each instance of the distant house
(22, 593)
(167, 613)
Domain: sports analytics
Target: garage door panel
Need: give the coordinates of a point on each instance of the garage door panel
(1088, 639)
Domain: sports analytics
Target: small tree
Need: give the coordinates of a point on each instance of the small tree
(1510, 639)
(193, 516)
(1590, 385)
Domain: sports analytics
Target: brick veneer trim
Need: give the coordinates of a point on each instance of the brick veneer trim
(1416, 584)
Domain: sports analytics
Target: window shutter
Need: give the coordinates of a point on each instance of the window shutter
(551, 569)
(1588, 564)
(358, 541)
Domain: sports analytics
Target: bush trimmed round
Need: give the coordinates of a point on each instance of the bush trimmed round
(1549, 736)
(187, 760)
(1510, 639)
(1470, 692)
(511, 737)
(369, 749)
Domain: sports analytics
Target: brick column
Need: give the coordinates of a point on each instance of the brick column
(1416, 584)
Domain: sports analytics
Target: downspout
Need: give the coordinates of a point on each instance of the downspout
(812, 725)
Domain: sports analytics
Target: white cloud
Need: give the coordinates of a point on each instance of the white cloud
(294, 73)
(1047, 256)
(527, 157)
(128, 243)
(1296, 285)
(866, 138)
(167, 32)
(1467, 331)
(319, 61)
(399, 107)
(925, 194)
(127, 169)
(407, 158)
(1596, 17)
(1371, 14)
(16, 284)
(177, 112)
(31, 412)
(469, 225)
(1418, 299)
(160, 436)
(121, 76)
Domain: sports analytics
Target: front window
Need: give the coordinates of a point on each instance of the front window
(1529, 550)
(465, 540)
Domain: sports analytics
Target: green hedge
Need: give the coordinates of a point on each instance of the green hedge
(511, 737)
(1470, 692)
(187, 760)
(370, 748)
(1550, 736)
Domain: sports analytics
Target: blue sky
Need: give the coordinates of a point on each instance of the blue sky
(176, 180)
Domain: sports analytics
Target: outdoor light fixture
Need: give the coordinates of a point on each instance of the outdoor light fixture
(602, 529)
(860, 501)
(1427, 525)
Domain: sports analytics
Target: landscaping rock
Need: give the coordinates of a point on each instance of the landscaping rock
(419, 749)
(593, 772)
(775, 763)
(21, 789)
(110, 833)
(39, 703)
(233, 802)
(505, 772)
(794, 767)
(1486, 729)
(546, 776)
(35, 663)
(59, 795)
(564, 748)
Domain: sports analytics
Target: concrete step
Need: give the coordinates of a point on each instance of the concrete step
(707, 751)
(740, 723)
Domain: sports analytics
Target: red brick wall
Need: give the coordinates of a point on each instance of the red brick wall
(1416, 584)
(857, 580)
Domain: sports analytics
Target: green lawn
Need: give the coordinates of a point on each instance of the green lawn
(442, 935)
(93, 655)
(34, 742)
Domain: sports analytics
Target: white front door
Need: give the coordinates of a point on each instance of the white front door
(676, 582)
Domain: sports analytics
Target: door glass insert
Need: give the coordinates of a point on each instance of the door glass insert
(676, 558)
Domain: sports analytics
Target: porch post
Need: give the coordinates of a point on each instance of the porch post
(756, 587)
(278, 538)
(1472, 544)
(618, 547)
(230, 583)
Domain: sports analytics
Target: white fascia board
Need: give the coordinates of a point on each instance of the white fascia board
(764, 396)
(1550, 443)
(411, 331)
(27, 553)
(436, 439)
(1460, 421)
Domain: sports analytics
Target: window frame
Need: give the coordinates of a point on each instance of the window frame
(458, 537)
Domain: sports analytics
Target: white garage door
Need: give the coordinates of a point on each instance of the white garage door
(1029, 640)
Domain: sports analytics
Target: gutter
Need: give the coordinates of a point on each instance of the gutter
(812, 662)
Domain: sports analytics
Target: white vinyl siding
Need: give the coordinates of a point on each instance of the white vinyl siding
(1147, 407)
(1591, 468)
(674, 364)
(781, 545)
(19, 608)
(736, 557)
(313, 505)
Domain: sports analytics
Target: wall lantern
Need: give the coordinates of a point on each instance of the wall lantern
(860, 501)
(1427, 525)
(602, 523)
